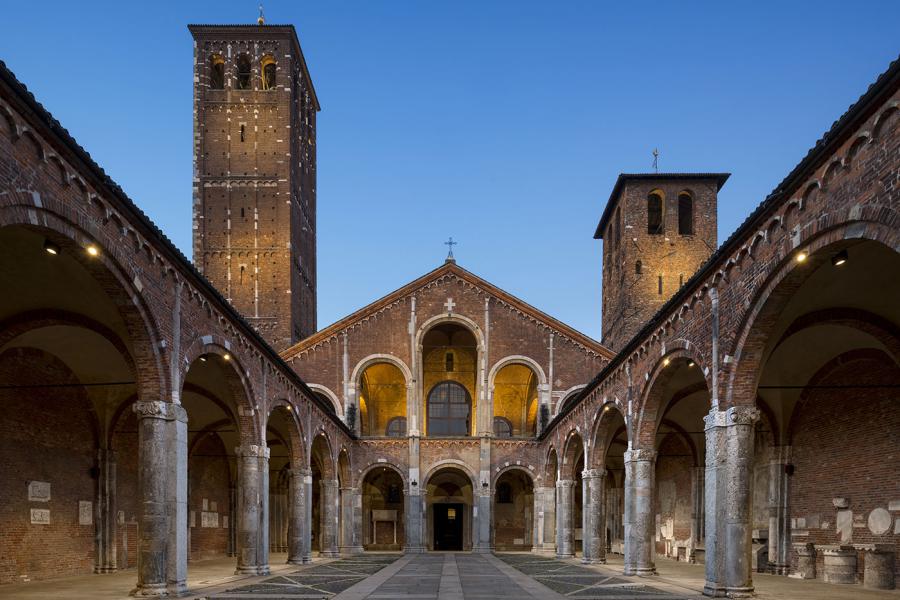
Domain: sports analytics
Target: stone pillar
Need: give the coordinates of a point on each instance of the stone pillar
(806, 560)
(329, 527)
(779, 511)
(252, 510)
(306, 538)
(594, 527)
(714, 491)
(231, 548)
(537, 529)
(351, 522)
(162, 547)
(878, 572)
(414, 503)
(739, 437)
(298, 523)
(697, 517)
(639, 522)
(565, 526)
(483, 510)
(105, 512)
(548, 544)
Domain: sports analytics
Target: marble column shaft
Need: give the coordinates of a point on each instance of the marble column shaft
(565, 518)
(306, 539)
(105, 513)
(779, 511)
(594, 517)
(162, 482)
(738, 527)
(351, 522)
(252, 512)
(329, 529)
(298, 526)
(640, 522)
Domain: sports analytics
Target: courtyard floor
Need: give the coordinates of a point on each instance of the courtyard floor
(439, 576)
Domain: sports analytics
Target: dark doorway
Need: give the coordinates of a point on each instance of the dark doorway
(448, 526)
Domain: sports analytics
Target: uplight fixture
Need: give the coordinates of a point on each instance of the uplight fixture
(51, 248)
(839, 258)
(665, 362)
(226, 356)
(691, 363)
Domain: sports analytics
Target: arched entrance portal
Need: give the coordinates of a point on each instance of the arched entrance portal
(513, 511)
(449, 497)
(382, 504)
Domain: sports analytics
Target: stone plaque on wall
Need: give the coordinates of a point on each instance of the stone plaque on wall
(225, 522)
(213, 506)
(38, 491)
(40, 516)
(192, 519)
(85, 512)
(120, 517)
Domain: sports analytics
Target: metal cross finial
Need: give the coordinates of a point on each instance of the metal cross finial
(656, 160)
(450, 243)
(262, 18)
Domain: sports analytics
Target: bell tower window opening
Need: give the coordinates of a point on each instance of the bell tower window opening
(243, 72)
(685, 214)
(268, 69)
(655, 213)
(217, 72)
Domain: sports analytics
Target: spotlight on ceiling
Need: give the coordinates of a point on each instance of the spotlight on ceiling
(92, 250)
(839, 258)
(51, 248)
(666, 362)
(226, 356)
(202, 359)
(801, 256)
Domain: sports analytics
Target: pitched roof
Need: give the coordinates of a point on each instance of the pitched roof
(448, 268)
(248, 28)
(623, 178)
(886, 84)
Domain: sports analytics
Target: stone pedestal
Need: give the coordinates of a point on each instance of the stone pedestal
(806, 561)
(329, 528)
(840, 564)
(162, 547)
(639, 522)
(594, 527)
(878, 572)
(565, 527)
(253, 474)
(298, 526)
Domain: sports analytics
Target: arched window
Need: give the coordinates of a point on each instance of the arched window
(502, 427)
(268, 73)
(243, 72)
(449, 409)
(504, 493)
(655, 213)
(685, 214)
(396, 427)
(638, 267)
(216, 72)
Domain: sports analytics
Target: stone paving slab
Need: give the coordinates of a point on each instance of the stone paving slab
(573, 581)
(320, 581)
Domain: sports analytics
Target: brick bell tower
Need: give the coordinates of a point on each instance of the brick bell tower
(255, 175)
(657, 229)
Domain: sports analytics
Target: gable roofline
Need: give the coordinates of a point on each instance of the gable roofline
(30, 109)
(873, 98)
(623, 178)
(448, 268)
(288, 29)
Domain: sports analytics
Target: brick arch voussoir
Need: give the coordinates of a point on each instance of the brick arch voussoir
(110, 271)
(873, 223)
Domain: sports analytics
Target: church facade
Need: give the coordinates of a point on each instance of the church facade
(740, 412)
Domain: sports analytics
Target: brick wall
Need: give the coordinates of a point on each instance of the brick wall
(209, 479)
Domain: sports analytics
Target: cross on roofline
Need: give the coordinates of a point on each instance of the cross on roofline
(450, 243)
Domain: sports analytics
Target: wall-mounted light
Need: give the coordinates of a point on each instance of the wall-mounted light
(51, 248)
(840, 258)
(691, 363)
(202, 359)
(666, 362)
(92, 250)
(801, 256)
(226, 356)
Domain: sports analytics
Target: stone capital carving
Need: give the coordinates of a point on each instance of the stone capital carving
(593, 474)
(300, 473)
(564, 483)
(715, 418)
(640, 454)
(156, 409)
(330, 483)
(250, 450)
(742, 415)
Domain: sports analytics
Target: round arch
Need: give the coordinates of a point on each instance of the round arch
(450, 463)
(373, 359)
(321, 446)
(517, 359)
(296, 435)
(332, 397)
(573, 448)
(455, 319)
(500, 471)
(364, 472)
(601, 432)
(568, 396)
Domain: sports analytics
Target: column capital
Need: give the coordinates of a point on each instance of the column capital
(248, 450)
(563, 483)
(157, 409)
(300, 472)
(640, 455)
(330, 483)
(742, 415)
(593, 474)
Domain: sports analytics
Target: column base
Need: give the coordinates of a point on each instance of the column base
(740, 592)
(295, 561)
(713, 590)
(306, 560)
(329, 554)
(640, 571)
(263, 570)
(247, 570)
(564, 556)
(482, 550)
(102, 570)
(414, 550)
(546, 551)
(351, 550)
(593, 561)
(150, 590)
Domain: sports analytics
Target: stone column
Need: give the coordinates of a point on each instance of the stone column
(779, 511)
(738, 522)
(484, 505)
(251, 508)
(413, 503)
(714, 488)
(565, 526)
(537, 531)
(697, 518)
(298, 523)
(594, 513)
(162, 547)
(329, 526)
(640, 467)
(231, 548)
(105, 512)
(548, 543)
(351, 522)
(306, 539)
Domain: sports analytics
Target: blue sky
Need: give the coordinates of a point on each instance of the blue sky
(503, 124)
